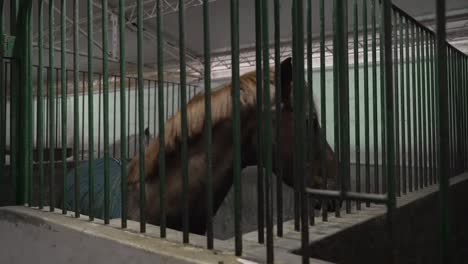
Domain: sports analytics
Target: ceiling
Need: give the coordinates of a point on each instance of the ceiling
(423, 10)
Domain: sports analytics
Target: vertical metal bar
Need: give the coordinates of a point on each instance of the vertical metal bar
(415, 119)
(83, 81)
(419, 106)
(30, 115)
(155, 106)
(28, 102)
(278, 163)
(3, 125)
(148, 103)
(357, 125)
(14, 111)
(295, 129)
(76, 109)
(115, 114)
(423, 107)
(427, 115)
(323, 107)
(382, 94)
(123, 113)
(299, 114)
(40, 101)
(336, 102)
(366, 95)
(208, 131)
(183, 102)
(51, 107)
(236, 124)
(434, 110)
(63, 13)
(57, 99)
(345, 114)
(310, 133)
(408, 105)
(162, 152)
(396, 106)
(374, 99)
(259, 95)
(267, 130)
(173, 101)
(106, 110)
(389, 107)
(99, 115)
(443, 131)
(402, 105)
(91, 112)
(139, 96)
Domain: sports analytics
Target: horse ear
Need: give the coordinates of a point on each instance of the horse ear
(286, 79)
(147, 133)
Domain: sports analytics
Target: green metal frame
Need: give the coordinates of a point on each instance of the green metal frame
(426, 86)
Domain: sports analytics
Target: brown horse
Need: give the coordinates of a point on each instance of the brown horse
(222, 149)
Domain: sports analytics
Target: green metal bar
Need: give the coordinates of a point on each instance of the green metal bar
(336, 102)
(235, 90)
(83, 80)
(268, 135)
(374, 99)
(366, 95)
(429, 125)
(63, 71)
(353, 196)
(345, 113)
(14, 106)
(423, 101)
(310, 134)
(402, 105)
(51, 106)
(464, 106)
(91, 113)
(208, 129)
(106, 111)
(115, 112)
(141, 115)
(419, 106)
(162, 152)
(183, 102)
(389, 107)
(451, 115)
(123, 113)
(323, 107)
(29, 101)
(299, 118)
(445, 243)
(383, 95)
(99, 115)
(434, 110)
(76, 109)
(3, 125)
(259, 95)
(40, 101)
(396, 106)
(295, 61)
(278, 89)
(357, 126)
(415, 96)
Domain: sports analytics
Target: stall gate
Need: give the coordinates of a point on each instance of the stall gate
(391, 95)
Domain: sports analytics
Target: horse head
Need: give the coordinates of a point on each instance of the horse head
(321, 165)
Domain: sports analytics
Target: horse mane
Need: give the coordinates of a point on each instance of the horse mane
(221, 110)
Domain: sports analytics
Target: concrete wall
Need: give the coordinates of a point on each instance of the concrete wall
(172, 105)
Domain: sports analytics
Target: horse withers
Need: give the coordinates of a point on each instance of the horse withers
(222, 153)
